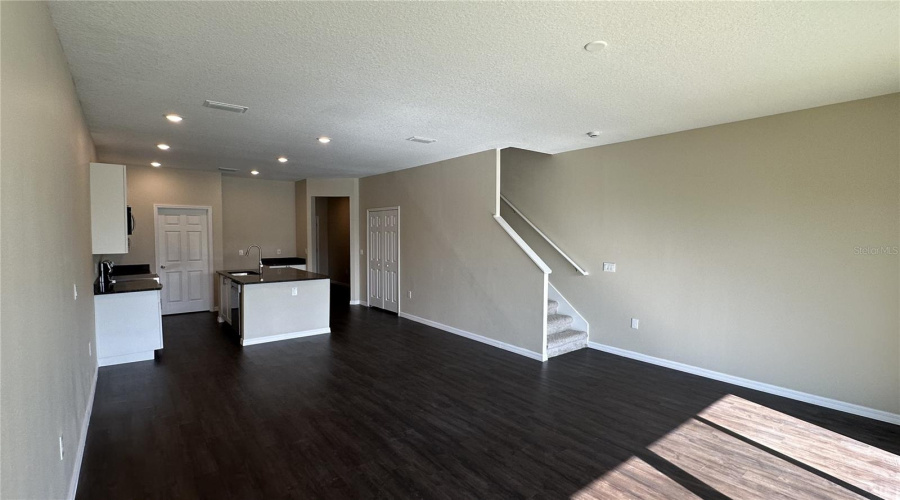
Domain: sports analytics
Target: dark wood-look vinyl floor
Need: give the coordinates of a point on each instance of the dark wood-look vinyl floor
(387, 408)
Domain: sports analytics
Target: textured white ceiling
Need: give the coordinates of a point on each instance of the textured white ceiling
(471, 75)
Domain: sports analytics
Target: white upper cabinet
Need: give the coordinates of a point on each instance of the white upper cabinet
(109, 200)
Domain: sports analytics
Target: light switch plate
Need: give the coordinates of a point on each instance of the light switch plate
(635, 323)
(278, 252)
(609, 267)
(240, 252)
(294, 291)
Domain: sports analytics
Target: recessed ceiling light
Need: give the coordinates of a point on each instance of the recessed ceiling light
(254, 172)
(596, 46)
(156, 164)
(174, 118)
(324, 140)
(282, 159)
(164, 147)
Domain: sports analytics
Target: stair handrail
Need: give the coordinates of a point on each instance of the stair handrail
(548, 240)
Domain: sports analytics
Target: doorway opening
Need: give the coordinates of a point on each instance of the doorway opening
(331, 237)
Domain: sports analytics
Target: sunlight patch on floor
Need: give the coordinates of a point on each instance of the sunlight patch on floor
(745, 450)
(634, 478)
(738, 469)
(866, 467)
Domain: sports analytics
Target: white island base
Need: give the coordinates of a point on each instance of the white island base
(284, 310)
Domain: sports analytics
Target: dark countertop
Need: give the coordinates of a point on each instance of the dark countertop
(284, 261)
(127, 287)
(270, 275)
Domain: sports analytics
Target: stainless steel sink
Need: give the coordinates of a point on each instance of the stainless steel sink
(245, 273)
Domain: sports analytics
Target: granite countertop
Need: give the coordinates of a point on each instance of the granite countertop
(270, 275)
(284, 261)
(127, 287)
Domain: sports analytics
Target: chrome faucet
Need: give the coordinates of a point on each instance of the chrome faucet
(258, 252)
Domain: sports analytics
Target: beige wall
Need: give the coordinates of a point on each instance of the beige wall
(463, 269)
(168, 186)
(47, 372)
(736, 245)
(300, 217)
(260, 212)
(336, 187)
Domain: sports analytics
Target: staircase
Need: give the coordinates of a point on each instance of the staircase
(560, 337)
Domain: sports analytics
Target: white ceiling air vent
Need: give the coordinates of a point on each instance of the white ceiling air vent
(224, 169)
(224, 106)
(423, 140)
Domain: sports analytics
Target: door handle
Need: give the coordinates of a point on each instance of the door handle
(162, 267)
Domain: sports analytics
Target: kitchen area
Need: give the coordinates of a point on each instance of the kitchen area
(276, 300)
(166, 242)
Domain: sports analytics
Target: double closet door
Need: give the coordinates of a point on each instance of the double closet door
(384, 258)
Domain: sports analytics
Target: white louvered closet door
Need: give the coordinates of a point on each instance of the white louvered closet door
(384, 259)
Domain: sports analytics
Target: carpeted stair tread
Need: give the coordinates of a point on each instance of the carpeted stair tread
(552, 306)
(566, 341)
(557, 323)
(565, 337)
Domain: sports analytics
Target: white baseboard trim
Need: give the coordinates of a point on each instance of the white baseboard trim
(285, 336)
(834, 404)
(354, 302)
(474, 336)
(126, 358)
(79, 453)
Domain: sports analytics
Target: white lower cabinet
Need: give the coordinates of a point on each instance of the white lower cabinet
(128, 326)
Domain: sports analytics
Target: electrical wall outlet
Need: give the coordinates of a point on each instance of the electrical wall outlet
(278, 252)
(410, 294)
(90, 350)
(241, 252)
(294, 291)
(635, 323)
(62, 452)
(609, 267)
(74, 291)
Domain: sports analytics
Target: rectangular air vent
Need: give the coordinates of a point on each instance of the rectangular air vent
(224, 169)
(423, 140)
(224, 106)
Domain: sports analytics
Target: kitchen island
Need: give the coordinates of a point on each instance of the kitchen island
(275, 304)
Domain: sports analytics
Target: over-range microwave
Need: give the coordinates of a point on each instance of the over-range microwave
(130, 218)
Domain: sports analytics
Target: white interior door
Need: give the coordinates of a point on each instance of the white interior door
(376, 279)
(384, 259)
(182, 259)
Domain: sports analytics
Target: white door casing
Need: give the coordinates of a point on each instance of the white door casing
(384, 258)
(183, 258)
